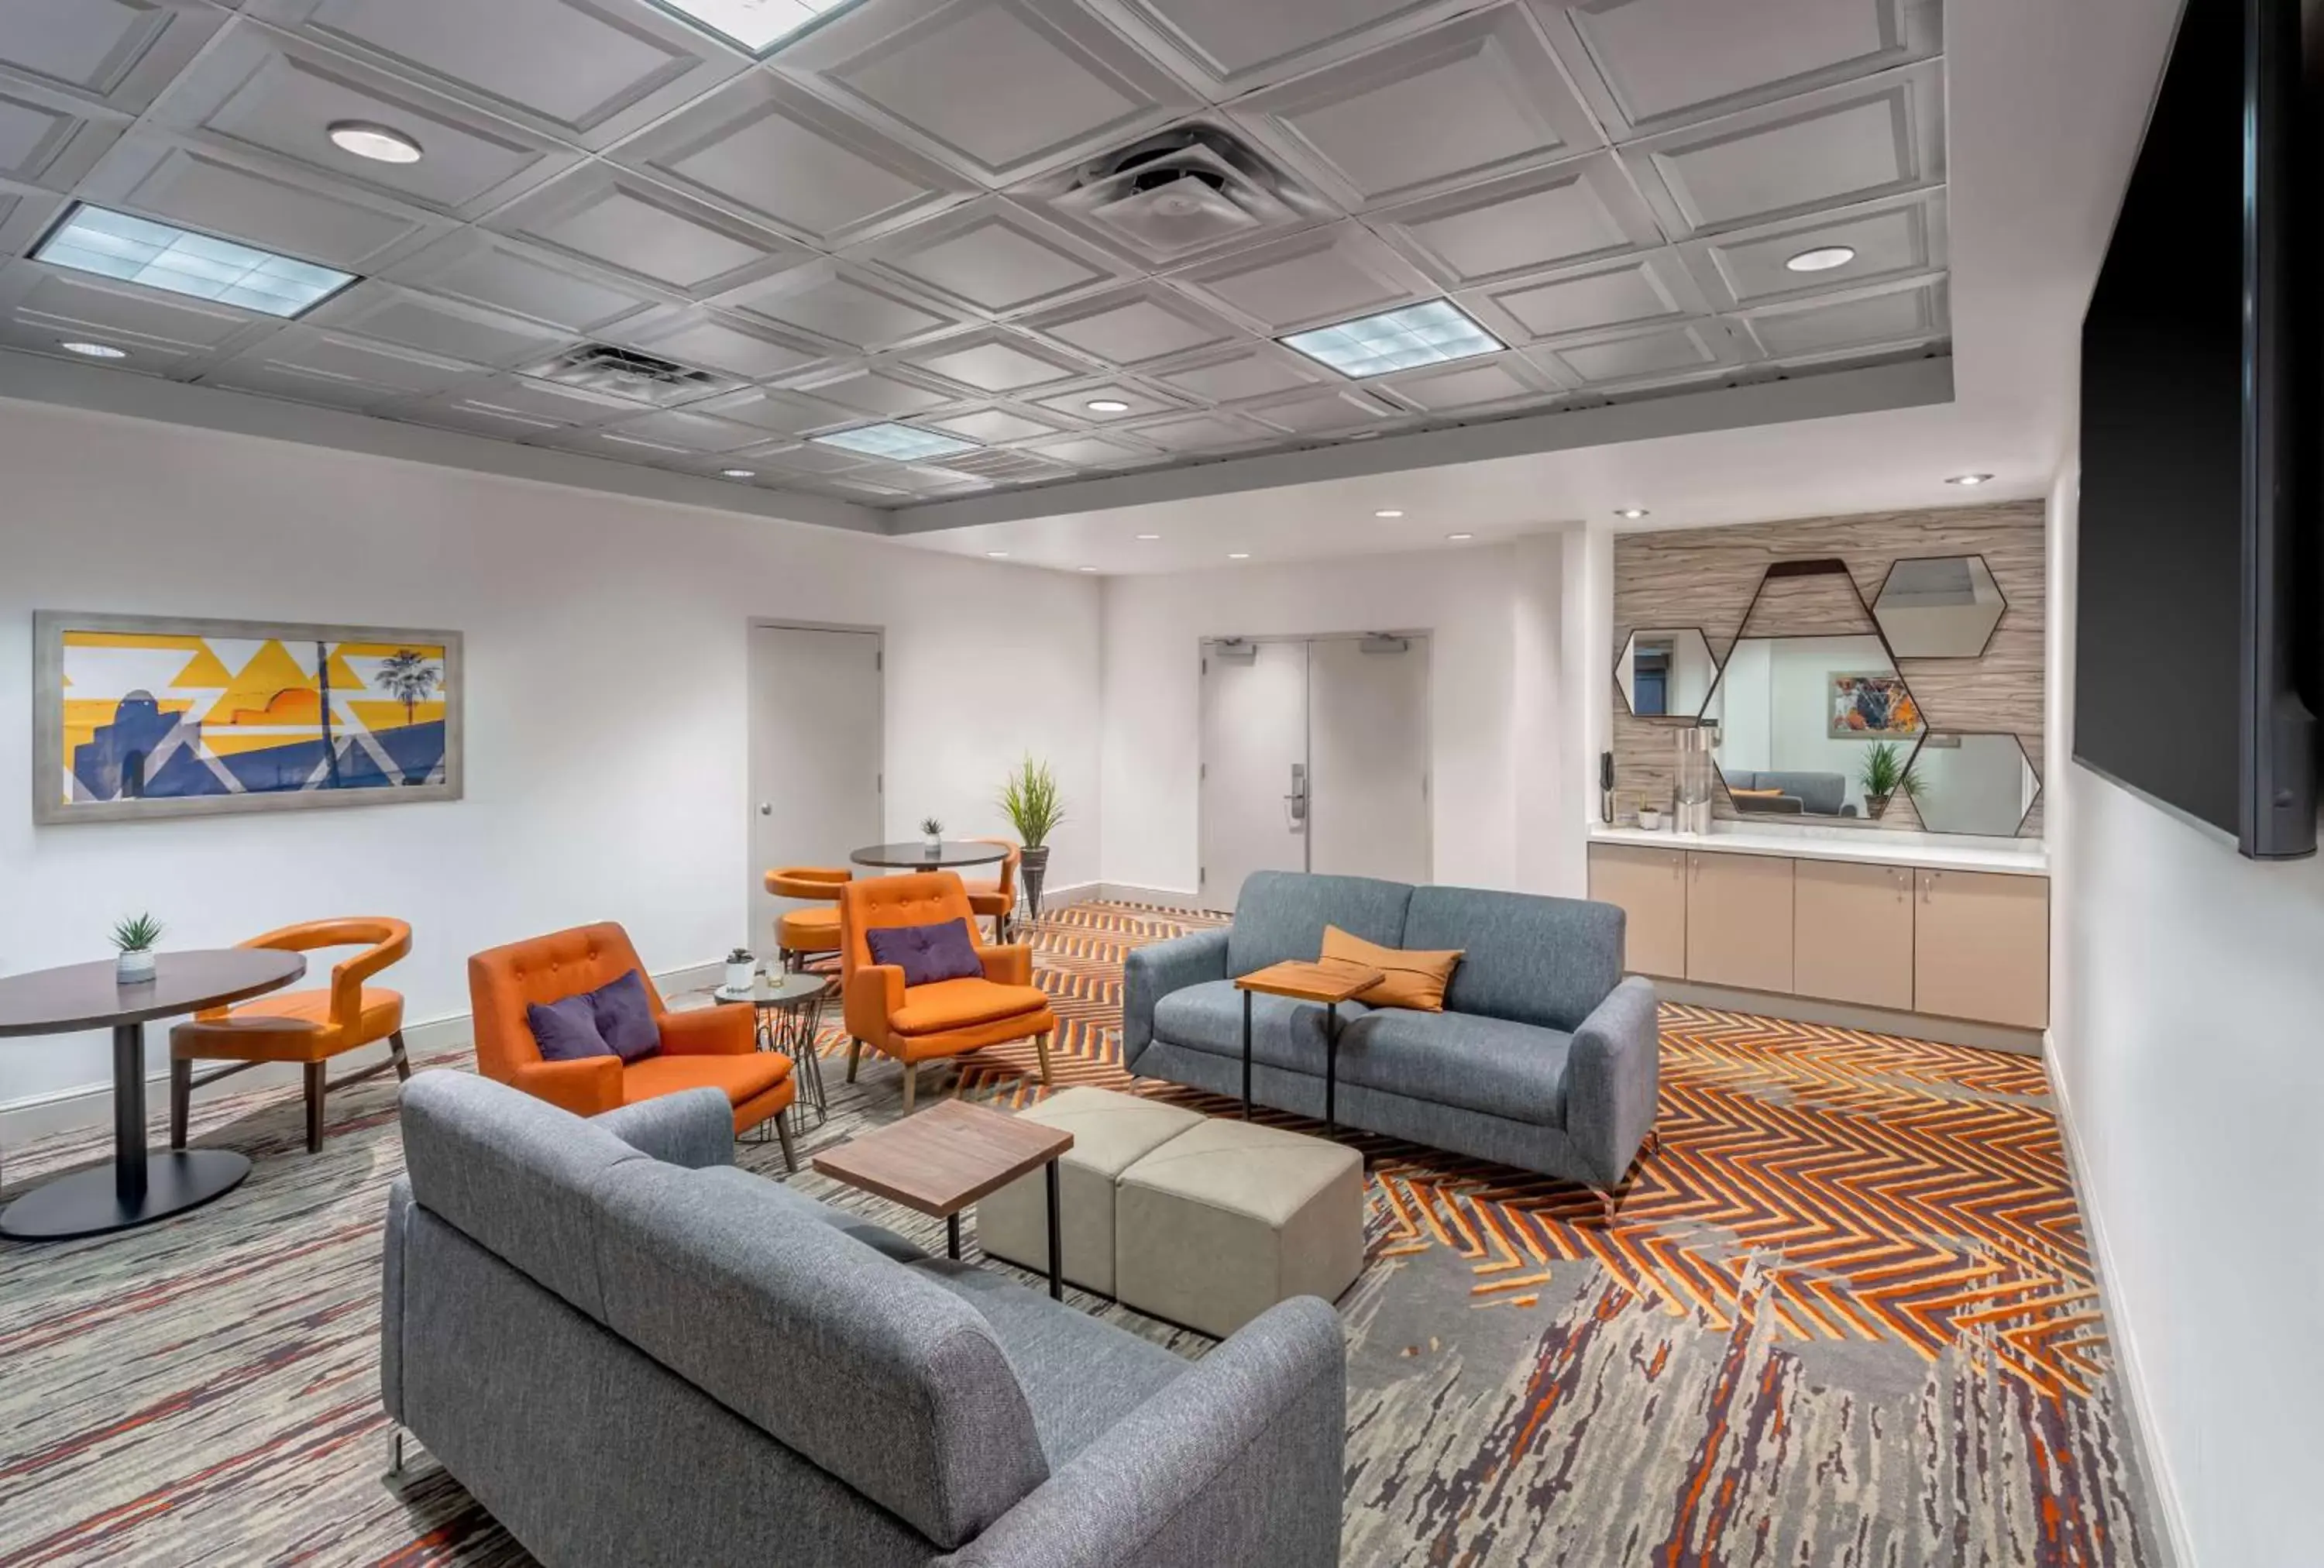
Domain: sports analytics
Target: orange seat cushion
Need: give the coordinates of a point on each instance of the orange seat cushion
(810, 930)
(958, 1004)
(1410, 979)
(742, 1076)
(293, 1026)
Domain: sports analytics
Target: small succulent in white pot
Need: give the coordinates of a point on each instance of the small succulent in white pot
(741, 970)
(932, 830)
(134, 939)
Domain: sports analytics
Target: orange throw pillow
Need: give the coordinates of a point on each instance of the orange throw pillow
(1413, 979)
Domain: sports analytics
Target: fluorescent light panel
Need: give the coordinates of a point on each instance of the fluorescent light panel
(757, 25)
(114, 244)
(1430, 333)
(901, 443)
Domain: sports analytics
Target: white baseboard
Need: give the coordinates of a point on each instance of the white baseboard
(1848, 1016)
(1164, 897)
(1071, 893)
(88, 1105)
(2178, 1542)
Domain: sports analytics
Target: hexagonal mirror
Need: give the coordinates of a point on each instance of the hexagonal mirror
(1665, 675)
(1940, 607)
(1812, 727)
(1982, 784)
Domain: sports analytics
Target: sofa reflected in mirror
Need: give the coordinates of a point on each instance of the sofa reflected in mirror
(1799, 724)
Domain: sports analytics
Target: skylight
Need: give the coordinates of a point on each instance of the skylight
(902, 443)
(1426, 333)
(757, 25)
(92, 239)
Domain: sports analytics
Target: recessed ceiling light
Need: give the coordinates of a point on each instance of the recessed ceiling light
(1387, 511)
(1430, 333)
(1086, 569)
(1969, 481)
(1107, 406)
(1457, 538)
(1237, 555)
(93, 350)
(1822, 259)
(114, 244)
(997, 555)
(1150, 536)
(738, 473)
(1632, 513)
(380, 143)
(757, 25)
(904, 443)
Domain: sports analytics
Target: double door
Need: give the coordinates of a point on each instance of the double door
(1315, 758)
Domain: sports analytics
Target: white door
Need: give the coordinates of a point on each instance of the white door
(1254, 765)
(816, 757)
(1368, 736)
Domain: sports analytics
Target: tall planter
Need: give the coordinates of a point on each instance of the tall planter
(1032, 867)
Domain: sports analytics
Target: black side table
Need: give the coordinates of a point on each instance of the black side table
(789, 1006)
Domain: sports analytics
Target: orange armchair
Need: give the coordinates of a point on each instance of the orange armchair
(949, 1018)
(800, 932)
(996, 900)
(305, 1027)
(708, 1047)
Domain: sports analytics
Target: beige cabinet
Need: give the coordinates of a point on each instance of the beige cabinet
(1739, 920)
(1981, 947)
(1650, 887)
(1852, 933)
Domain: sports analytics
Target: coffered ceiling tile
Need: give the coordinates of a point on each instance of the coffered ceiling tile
(770, 150)
(1226, 48)
(889, 391)
(784, 413)
(1137, 401)
(1245, 370)
(501, 274)
(50, 138)
(1052, 83)
(926, 481)
(518, 405)
(627, 223)
(687, 430)
(118, 52)
(432, 325)
(1321, 411)
(1911, 313)
(1652, 65)
(806, 457)
(996, 360)
(1636, 291)
(42, 306)
(1583, 209)
(1133, 325)
(1485, 87)
(1312, 278)
(696, 336)
(994, 425)
(845, 305)
(261, 92)
(1896, 238)
(614, 446)
(1665, 352)
(1091, 451)
(587, 71)
(454, 412)
(307, 364)
(1007, 467)
(1469, 386)
(1838, 146)
(1201, 430)
(993, 258)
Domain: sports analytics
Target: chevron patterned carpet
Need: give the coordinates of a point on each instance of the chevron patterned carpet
(1844, 1317)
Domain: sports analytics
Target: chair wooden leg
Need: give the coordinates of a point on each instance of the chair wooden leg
(1607, 1202)
(1654, 1144)
(790, 1155)
(182, 1094)
(854, 1055)
(397, 1055)
(911, 1085)
(315, 1107)
(1041, 1049)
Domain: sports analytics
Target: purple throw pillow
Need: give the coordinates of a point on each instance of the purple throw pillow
(625, 1017)
(567, 1031)
(927, 954)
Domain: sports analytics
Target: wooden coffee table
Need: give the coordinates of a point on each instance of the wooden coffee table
(947, 1157)
(1329, 983)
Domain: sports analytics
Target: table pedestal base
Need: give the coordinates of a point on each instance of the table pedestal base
(90, 1203)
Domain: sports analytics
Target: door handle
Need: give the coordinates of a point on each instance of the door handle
(766, 809)
(1297, 798)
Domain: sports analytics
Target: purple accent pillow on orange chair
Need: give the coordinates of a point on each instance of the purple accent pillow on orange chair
(626, 1017)
(567, 1031)
(927, 954)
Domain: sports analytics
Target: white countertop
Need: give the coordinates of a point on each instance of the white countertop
(2019, 857)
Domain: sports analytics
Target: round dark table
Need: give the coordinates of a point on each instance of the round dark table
(915, 856)
(789, 1008)
(139, 1186)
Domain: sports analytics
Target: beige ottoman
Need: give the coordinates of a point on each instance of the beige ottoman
(1111, 1132)
(1228, 1218)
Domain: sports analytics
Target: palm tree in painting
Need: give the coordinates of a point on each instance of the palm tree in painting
(410, 680)
(323, 695)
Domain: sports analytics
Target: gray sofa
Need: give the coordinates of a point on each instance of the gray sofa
(1545, 1057)
(1804, 794)
(633, 1354)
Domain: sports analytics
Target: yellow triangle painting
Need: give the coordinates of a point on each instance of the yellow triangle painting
(204, 672)
(270, 672)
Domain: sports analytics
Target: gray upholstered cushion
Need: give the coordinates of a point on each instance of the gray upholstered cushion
(1281, 915)
(1153, 972)
(1491, 1064)
(693, 1128)
(1822, 794)
(1613, 1080)
(886, 1381)
(1284, 1033)
(760, 1190)
(1533, 959)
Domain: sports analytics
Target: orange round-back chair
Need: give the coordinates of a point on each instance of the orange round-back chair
(802, 933)
(994, 898)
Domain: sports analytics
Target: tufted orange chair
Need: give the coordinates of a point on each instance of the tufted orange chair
(996, 900)
(712, 1048)
(305, 1027)
(814, 930)
(950, 1017)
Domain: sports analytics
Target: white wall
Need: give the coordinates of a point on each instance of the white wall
(607, 697)
(2185, 1039)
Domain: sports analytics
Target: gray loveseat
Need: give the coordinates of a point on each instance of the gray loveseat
(1545, 1057)
(633, 1354)
(1802, 794)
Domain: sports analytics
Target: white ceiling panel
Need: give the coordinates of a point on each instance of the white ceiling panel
(696, 336)
(1471, 386)
(992, 258)
(994, 425)
(1642, 357)
(501, 274)
(1226, 48)
(42, 306)
(441, 326)
(383, 368)
(1231, 374)
(1209, 431)
(1140, 401)
(519, 404)
(119, 52)
(1052, 82)
(589, 71)
(889, 392)
(1134, 325)
(1915, 313)
(845, 305)
(1109, 451)
(48, 137)
(685, 428)
(1894, 239)
(1015, 468)
(997, 361)
(1308, 280)
(804, 458)
(1475, 97)
(616, 447)
(234, 197)
(784, 413)
(1636, 292)
(626, 222)
(775, 152)
(1583, 209)
(1321, 411)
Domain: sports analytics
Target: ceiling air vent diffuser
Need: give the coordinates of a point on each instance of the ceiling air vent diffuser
(1182, 191)
(625, 373)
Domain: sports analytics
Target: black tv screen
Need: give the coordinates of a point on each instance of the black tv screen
(2186, 660)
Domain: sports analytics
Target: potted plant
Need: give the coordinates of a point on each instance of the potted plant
(135, 940)
(932, 830)
(741, 970)
(1883, 775)
(1030, 799)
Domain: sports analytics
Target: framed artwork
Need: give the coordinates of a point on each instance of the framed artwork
(142, 715)
(1872, 706)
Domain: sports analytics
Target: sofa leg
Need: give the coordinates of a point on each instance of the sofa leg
(854, 1055)
(315, 1107)
(1041, 1049)
(182, 1094)
(395, 1454)
(790, 1155)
